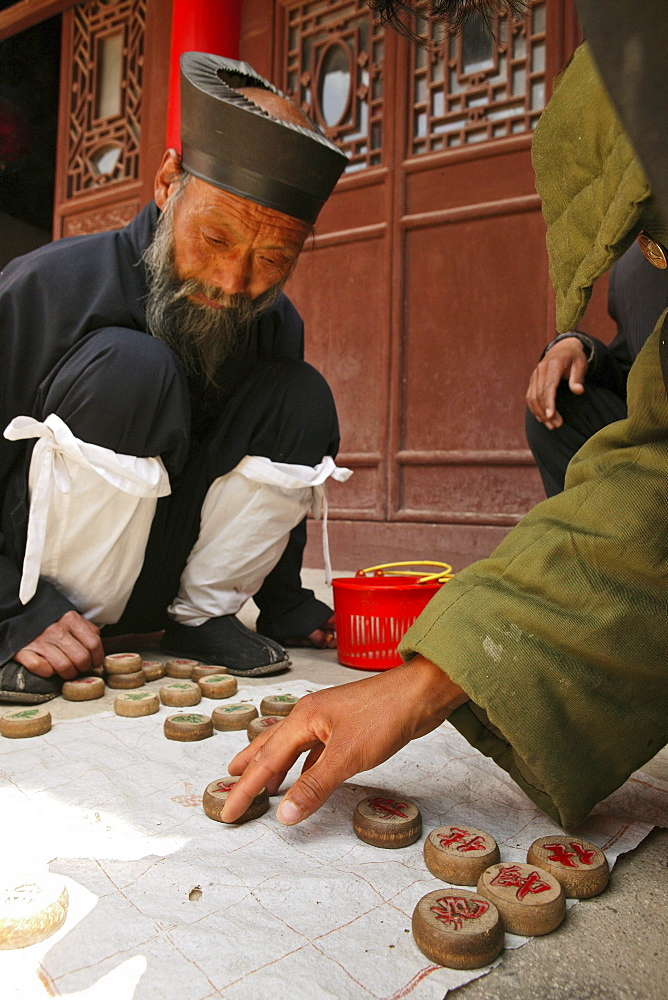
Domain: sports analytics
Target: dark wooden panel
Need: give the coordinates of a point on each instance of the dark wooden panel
(340, 292)
(156, 92)
(476, 306)
(468, 176)
(480, 494)
(362, 496)
(27, 13)
(356, 202)
(100, 219)
(426, 295)
(596, 319)
(137, 130)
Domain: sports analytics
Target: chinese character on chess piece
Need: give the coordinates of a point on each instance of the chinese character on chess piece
(459, 854)
(459, 929)
(387, 821)
(580, 867)
(530, 900)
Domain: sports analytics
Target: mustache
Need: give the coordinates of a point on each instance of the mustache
(191, 287)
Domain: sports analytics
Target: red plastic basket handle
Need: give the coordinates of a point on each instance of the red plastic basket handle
(445, 570)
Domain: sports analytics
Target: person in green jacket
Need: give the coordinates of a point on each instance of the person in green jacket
(550, 655)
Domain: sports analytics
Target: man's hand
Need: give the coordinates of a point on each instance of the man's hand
(70, 646)
(567, 359)
(343, 730)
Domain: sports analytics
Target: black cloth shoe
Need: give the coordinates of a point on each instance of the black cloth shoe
(227, 643)
(18, 684)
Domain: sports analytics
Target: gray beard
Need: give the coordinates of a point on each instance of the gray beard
(203, 337)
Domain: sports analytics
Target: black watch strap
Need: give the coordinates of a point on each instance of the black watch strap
(586, 342)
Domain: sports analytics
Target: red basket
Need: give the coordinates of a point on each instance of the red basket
(373, 613)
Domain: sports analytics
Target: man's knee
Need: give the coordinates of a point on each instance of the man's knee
(124, 390)
(582, 415)
(304, 423)
(306, 393)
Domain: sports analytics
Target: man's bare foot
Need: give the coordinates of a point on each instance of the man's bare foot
(321, 638)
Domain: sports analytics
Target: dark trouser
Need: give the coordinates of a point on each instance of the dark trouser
(583, 416)
(126, 391)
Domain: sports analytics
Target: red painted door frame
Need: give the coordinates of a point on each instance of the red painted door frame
(199, 26)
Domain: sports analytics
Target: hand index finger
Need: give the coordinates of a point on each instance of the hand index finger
(577, 374)
(88, 635)
(262, 764)
(315, 785)
(553, 374)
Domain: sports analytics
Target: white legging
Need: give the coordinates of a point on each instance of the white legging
(91, 512)
(246, 520)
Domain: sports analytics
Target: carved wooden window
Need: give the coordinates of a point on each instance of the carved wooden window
(473, 85)
(106, 91)
(334, 71)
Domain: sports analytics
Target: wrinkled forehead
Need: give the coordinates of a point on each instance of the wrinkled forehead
(212, 208)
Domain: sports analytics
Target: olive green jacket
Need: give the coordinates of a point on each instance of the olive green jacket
(560, 638)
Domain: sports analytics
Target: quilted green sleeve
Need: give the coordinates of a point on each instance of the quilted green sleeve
(560, 638)
(593, 187)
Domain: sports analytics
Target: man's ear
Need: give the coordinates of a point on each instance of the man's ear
(168, 173)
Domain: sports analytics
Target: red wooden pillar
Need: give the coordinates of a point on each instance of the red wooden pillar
(199, 26)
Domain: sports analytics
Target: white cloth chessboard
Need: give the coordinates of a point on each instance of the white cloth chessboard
(302, 913)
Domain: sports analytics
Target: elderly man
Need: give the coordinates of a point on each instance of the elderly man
(550, 656)
(164, 439)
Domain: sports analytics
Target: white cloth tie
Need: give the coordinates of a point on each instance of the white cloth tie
(58, 458)
(246, 520)
(263, 470)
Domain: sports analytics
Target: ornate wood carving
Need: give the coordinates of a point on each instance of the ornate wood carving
(100, 220)
(333, 68)
(471, 87)
(104, 135)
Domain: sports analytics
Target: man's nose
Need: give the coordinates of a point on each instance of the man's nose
(233, 273)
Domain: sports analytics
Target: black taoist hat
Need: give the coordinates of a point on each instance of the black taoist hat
(230, 142)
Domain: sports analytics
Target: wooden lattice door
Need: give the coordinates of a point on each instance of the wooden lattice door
(426, 294)
(331, 58)
(115, 64)
(473, 276)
